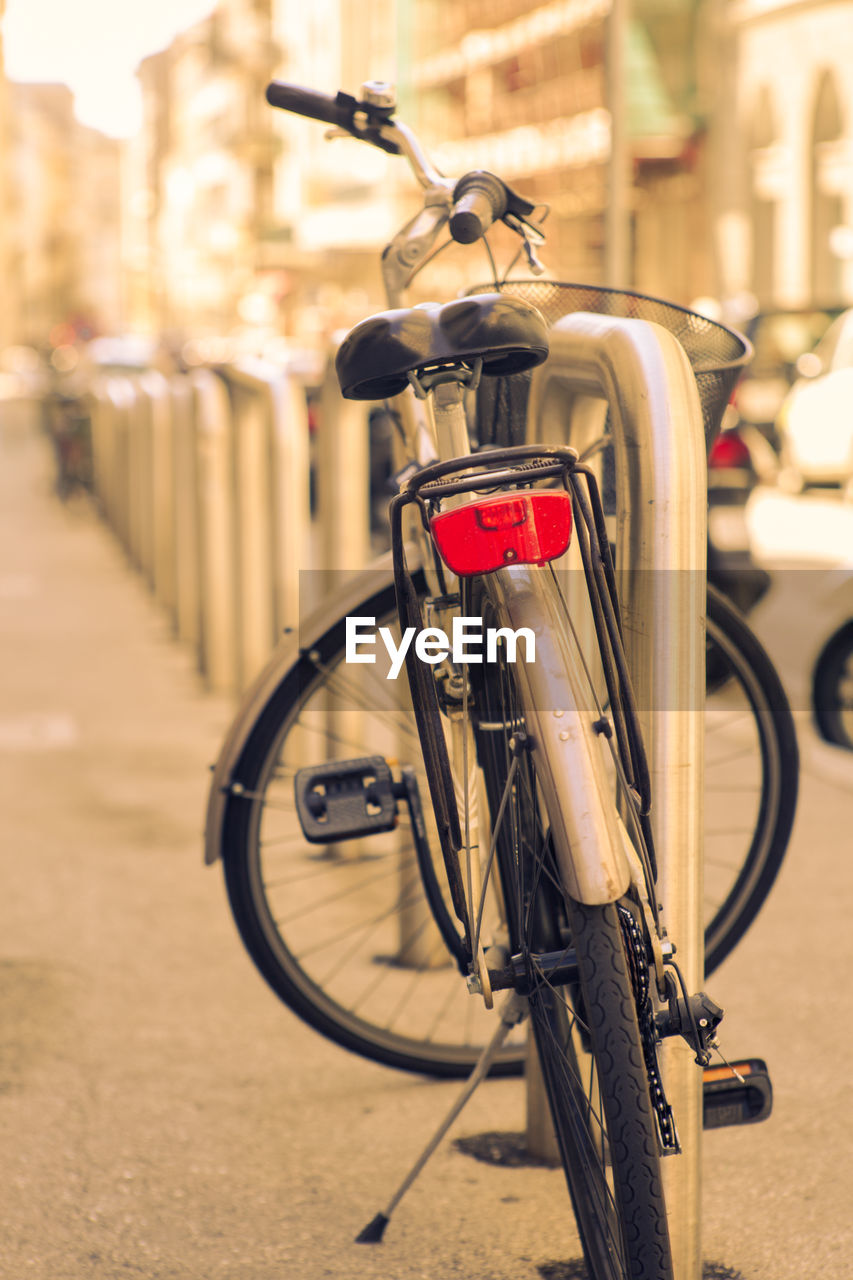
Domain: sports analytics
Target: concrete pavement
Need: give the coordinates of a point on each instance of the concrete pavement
(162, 1115)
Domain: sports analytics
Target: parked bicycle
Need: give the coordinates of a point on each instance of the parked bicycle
(378, 838)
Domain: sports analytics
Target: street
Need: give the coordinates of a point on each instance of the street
(162, 1115)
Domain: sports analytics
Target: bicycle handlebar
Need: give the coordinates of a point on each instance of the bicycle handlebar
(364, 120)
(479, 199)
(309, 102)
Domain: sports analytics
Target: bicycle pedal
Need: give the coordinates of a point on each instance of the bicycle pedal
(729, 1101)
(345, 799)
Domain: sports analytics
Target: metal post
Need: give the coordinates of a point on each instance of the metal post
(104, 446)
(271, 449)
(252, 486)
(121, 395)
(162, 496)
(186, 518)
(642, 372)
(343, 479)
(217, 569)
(139, 481)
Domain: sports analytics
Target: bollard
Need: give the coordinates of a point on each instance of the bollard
(139, 481)
(186, 608)
(343, 479)
(160, 547)
(643, 374)
(102, 415)
(270, 451)
(217, 576)
(120, 395)
(291, 495)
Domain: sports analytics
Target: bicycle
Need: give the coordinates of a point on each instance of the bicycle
(594, 970)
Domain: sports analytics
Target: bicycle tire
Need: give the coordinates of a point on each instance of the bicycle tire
(587, 1034)
(832, 689)
(747, 707)
(359, 987)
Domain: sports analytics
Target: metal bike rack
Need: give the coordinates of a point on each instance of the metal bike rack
(343, 479)
(217, 570)
(186, 611)
(155, 389)
(269, 433)
(642, 372)
(112, 406)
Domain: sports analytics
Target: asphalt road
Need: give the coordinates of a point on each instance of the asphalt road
(161, 1115)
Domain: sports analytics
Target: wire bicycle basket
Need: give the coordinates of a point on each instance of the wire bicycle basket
(717, 354)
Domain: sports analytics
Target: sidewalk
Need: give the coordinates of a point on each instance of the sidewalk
(162, 1115)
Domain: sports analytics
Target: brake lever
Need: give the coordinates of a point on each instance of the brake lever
(371, 133)
(528, 233)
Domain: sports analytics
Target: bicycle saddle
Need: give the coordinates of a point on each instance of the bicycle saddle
(376, 357)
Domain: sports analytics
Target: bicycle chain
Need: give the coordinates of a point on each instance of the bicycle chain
(638, 965)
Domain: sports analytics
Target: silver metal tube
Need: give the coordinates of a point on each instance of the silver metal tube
(413, 149)
(658, 438)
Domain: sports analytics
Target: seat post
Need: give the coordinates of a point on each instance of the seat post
(451, 425)
(442, 390)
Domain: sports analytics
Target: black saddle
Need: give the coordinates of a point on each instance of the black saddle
(376, 357)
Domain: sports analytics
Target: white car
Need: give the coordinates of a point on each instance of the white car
(815, 423)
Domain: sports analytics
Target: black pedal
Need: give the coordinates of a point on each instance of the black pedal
(728, 1101)
(345, 799)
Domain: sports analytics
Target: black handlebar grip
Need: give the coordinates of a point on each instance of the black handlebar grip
(308, 102)
(479, 199)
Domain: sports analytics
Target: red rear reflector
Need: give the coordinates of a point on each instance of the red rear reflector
(525, 528)
(728, 450)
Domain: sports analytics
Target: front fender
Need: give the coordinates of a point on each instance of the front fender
(266, 685)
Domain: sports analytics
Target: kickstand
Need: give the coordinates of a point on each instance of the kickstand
(514, 1010)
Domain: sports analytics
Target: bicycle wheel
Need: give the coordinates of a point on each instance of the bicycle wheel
(587, 1033)
(751, 778)
(832, 689)
(343, 933)
(751, 781)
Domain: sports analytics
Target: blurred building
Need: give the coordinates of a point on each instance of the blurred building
(336, 203)
(10, 308)
(521, 86)
(784, 154)
(64, 206)
(243, 220)
(199, 179)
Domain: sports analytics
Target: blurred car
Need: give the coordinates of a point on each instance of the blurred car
(745, 453)
(739, 459)
(815, 422)
(121, 353)
(779, 339)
